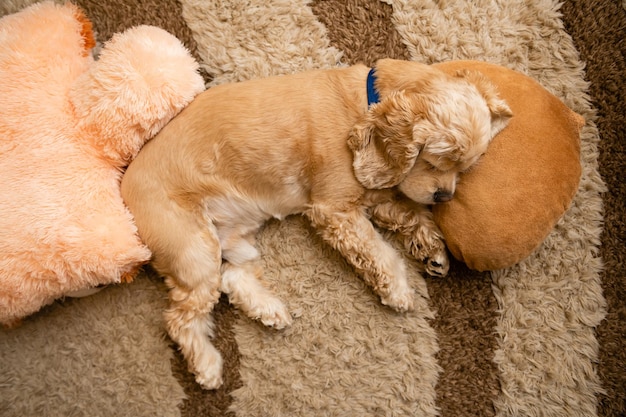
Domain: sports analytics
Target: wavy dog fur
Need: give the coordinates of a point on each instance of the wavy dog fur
(306, 143)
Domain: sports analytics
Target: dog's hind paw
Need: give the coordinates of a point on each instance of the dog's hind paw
(208, 369)
(209, 381)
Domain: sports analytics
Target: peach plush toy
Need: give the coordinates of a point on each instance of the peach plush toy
(69, 125)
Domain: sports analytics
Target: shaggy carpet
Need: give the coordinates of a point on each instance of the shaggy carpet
(544, 338)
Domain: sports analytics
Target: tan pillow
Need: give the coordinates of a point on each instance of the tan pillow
(505, 207)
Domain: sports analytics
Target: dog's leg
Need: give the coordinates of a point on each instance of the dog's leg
(354, 236)
(241, 280)
(188, 254)
(420, 235)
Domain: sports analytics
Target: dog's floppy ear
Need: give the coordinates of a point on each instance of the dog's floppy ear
(500, 111)
(383, 143)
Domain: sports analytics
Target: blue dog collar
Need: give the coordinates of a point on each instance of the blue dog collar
(372, 94)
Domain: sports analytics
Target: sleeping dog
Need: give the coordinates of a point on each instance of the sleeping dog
(347, 148)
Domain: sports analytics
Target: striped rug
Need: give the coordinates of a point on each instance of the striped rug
(543, 338)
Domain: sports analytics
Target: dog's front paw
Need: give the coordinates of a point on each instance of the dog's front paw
(400, 300)
(430, 248)
(274, 314)
(437, 264)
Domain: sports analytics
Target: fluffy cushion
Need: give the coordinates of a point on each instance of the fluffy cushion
(505, 207)
(69, 125)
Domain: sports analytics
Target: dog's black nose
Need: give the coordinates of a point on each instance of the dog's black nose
(442, 196)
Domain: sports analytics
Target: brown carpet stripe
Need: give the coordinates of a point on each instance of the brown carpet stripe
(361, 29)
(598, 29)
(201, 402)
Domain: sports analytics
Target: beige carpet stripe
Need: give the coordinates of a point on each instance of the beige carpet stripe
(345, 354)
(550, 303)
(243, 40)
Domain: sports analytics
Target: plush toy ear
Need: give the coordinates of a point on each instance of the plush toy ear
(500, 111)
(143, 78)
(383, 143)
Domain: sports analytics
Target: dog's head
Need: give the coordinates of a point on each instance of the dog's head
(421, 135)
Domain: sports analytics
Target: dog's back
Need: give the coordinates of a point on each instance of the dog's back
(263, 139)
